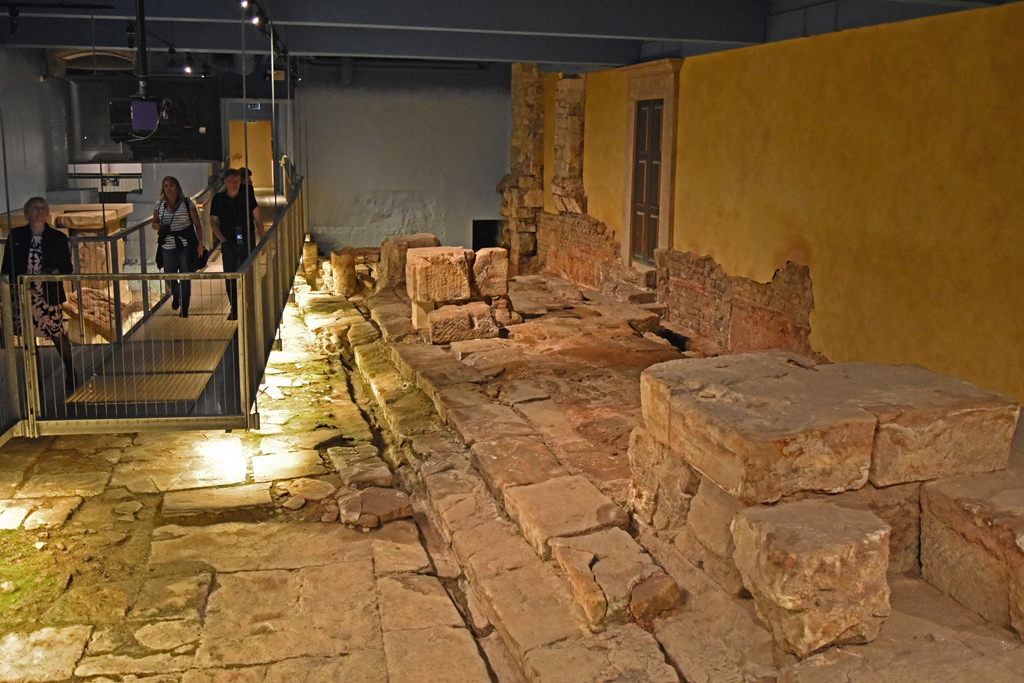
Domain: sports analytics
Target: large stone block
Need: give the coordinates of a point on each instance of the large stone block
(898, 506)
(972, 533)
(929, 425)
(753, 425)
(817, 572)
(490, 272)
(515, 461)
(661, 486)
(391, 270)
(564, 506)
(343, 264)
(438, 274)
(766, 425)
(459, 323)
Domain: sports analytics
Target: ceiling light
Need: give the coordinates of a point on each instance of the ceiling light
(190, 64)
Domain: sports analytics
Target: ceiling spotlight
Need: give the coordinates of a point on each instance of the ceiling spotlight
(130, 31)
(244, 3)
(14, 16)
(190, 64)
(256, 18)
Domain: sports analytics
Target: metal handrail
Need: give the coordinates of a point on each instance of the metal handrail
(264, 282)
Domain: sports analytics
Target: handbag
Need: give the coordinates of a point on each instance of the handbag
(160, 235)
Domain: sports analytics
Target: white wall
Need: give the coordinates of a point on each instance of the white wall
(383, 162)
(34, 128)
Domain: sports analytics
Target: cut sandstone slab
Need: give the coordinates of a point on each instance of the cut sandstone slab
(515, 461)
(749, 423)
(566, 506)
(929, 425)
(490, 272)
(391, 271)
(487, 422)
(972, 543)
(817, 572)
(766, 425)
(660, 486)
(438, 274)
(458, 323)
(609, 560)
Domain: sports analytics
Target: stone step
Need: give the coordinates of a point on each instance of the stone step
(250, 503)
(972, 528)
(528, 600)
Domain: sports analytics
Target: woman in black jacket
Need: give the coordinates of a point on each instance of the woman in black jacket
(38, 249)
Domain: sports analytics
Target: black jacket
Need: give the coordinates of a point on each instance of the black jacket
(56, 256)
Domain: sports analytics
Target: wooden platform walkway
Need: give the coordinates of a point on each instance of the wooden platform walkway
(168, 358)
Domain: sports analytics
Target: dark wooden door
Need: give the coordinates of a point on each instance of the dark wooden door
(646, 180)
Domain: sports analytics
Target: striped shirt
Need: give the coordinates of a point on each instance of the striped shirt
(177, 220)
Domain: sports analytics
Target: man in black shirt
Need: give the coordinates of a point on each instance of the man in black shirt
(235, 220)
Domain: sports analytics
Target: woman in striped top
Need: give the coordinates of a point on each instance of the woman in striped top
(180, 233)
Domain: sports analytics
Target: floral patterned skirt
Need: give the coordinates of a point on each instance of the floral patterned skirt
(47, 319)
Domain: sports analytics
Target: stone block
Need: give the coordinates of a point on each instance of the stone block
(754, 425)
(817, 572)
(458, 323)
(487, 422)
(972, 528)
(438, 274)
(654, 596)
(622, 653)
(898, 506)
(515, 461)
(391, 270)
(766, 425)
(929, 425)
(565, 506)
(490, 272)
(709, 524)
(420, 311)
(661, 486)
(343, 264)
(610, 560)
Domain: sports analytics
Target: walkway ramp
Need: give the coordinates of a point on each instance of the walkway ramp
(166, 358)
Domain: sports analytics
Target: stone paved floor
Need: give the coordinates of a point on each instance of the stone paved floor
(219, 557)
(200, 557)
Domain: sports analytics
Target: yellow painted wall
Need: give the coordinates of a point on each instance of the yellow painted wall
(261, 152)
(550, 83)
(605, 140)
(890, 160)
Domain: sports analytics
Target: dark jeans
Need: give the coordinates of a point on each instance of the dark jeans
(233, 255)
(177, 261)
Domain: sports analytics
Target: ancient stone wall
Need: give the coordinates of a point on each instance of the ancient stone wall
(522, 190)
(567, 184)
(735, 314)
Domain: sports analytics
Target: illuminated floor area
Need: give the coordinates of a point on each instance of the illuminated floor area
(215, 557)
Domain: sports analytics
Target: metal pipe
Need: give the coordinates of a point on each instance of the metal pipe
(142, 61)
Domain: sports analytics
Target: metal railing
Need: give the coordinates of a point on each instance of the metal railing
(10, 405)
(138, 366)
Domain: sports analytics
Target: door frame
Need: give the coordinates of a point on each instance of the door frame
(651, 81)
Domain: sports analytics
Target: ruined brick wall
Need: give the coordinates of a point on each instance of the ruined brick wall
(576, 247)
(735, 314)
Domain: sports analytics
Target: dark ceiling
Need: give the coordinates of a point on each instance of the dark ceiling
(563, 34)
